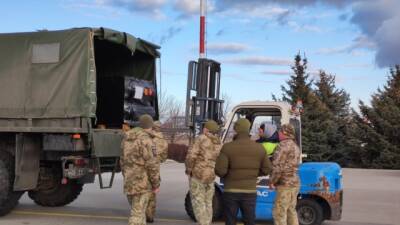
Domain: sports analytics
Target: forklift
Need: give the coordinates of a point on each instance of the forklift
(321, 191)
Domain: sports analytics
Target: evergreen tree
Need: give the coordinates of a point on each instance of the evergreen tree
(378, 126)
(337, 100)
(317, 128)
(299, 86)
(340, 133)
(315, 118)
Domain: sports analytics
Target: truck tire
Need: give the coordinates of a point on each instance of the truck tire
(8, 197)
(309, 212)
(217, 206)
(58, 194)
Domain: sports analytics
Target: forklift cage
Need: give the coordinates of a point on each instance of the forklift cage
(203, 94)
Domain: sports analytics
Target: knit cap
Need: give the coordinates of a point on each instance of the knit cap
(145, 121)
(288, 130)
(212, 126)
(242, 126)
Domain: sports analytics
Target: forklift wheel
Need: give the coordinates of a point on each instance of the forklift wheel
(217, 206)
(309, 212)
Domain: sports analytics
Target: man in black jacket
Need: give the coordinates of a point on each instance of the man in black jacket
(239, 164)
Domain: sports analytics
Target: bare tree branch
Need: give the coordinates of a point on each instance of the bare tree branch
(227, 105)
(169, 107)
(172, 117)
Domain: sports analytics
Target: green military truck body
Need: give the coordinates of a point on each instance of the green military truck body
(62, 108)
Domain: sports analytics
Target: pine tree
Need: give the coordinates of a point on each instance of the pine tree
(317, 125)
(315, 118)
(299, 86)
(340, 133)
(337, 100)
(378, 126)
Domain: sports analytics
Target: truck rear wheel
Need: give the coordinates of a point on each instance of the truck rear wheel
(309, 212)
(55, 193)
(8, 197)
(217, 206)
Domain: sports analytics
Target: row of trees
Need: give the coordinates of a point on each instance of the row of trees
(332, 131)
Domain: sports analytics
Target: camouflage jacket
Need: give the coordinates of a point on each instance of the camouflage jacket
(201, 158)
(140, 167)
(161, 145)
(285, 164)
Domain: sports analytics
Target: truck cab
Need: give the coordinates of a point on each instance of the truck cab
(321, 191)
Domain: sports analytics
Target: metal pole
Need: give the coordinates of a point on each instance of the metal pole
(160, 95)
(203, 9)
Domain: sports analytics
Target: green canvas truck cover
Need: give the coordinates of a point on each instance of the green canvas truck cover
(52, 74)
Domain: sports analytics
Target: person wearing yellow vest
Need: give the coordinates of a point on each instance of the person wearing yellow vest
(269, 138)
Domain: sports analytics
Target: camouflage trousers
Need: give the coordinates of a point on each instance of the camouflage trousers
(151, 207)
(284, 212)
(138, 208)
(202, 196)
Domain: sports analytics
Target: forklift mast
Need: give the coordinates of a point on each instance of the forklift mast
(203, 94)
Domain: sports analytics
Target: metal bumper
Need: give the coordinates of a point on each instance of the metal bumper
(336, 207)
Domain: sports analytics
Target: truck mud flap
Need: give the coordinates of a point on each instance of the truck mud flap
(27, 161)
(113, 166)
(107, 151)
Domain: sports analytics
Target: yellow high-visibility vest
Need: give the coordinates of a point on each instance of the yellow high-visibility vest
(269, 147)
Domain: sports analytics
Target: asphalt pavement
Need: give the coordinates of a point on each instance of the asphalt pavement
(371, 197)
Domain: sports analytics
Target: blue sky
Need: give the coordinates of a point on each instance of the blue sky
(255, 40)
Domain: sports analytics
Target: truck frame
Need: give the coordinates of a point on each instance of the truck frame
(64, 97)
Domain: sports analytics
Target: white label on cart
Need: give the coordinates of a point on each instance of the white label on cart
(138, 92)
(262, 193)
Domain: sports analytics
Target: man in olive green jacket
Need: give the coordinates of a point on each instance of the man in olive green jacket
(239, 164)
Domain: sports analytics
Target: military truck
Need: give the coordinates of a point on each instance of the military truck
(64, 97)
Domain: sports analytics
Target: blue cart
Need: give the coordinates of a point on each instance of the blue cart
(320, 198)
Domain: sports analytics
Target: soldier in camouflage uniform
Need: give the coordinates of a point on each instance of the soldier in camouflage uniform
(200, 165)
(162, 155)
(140, 168)
(284, 177)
